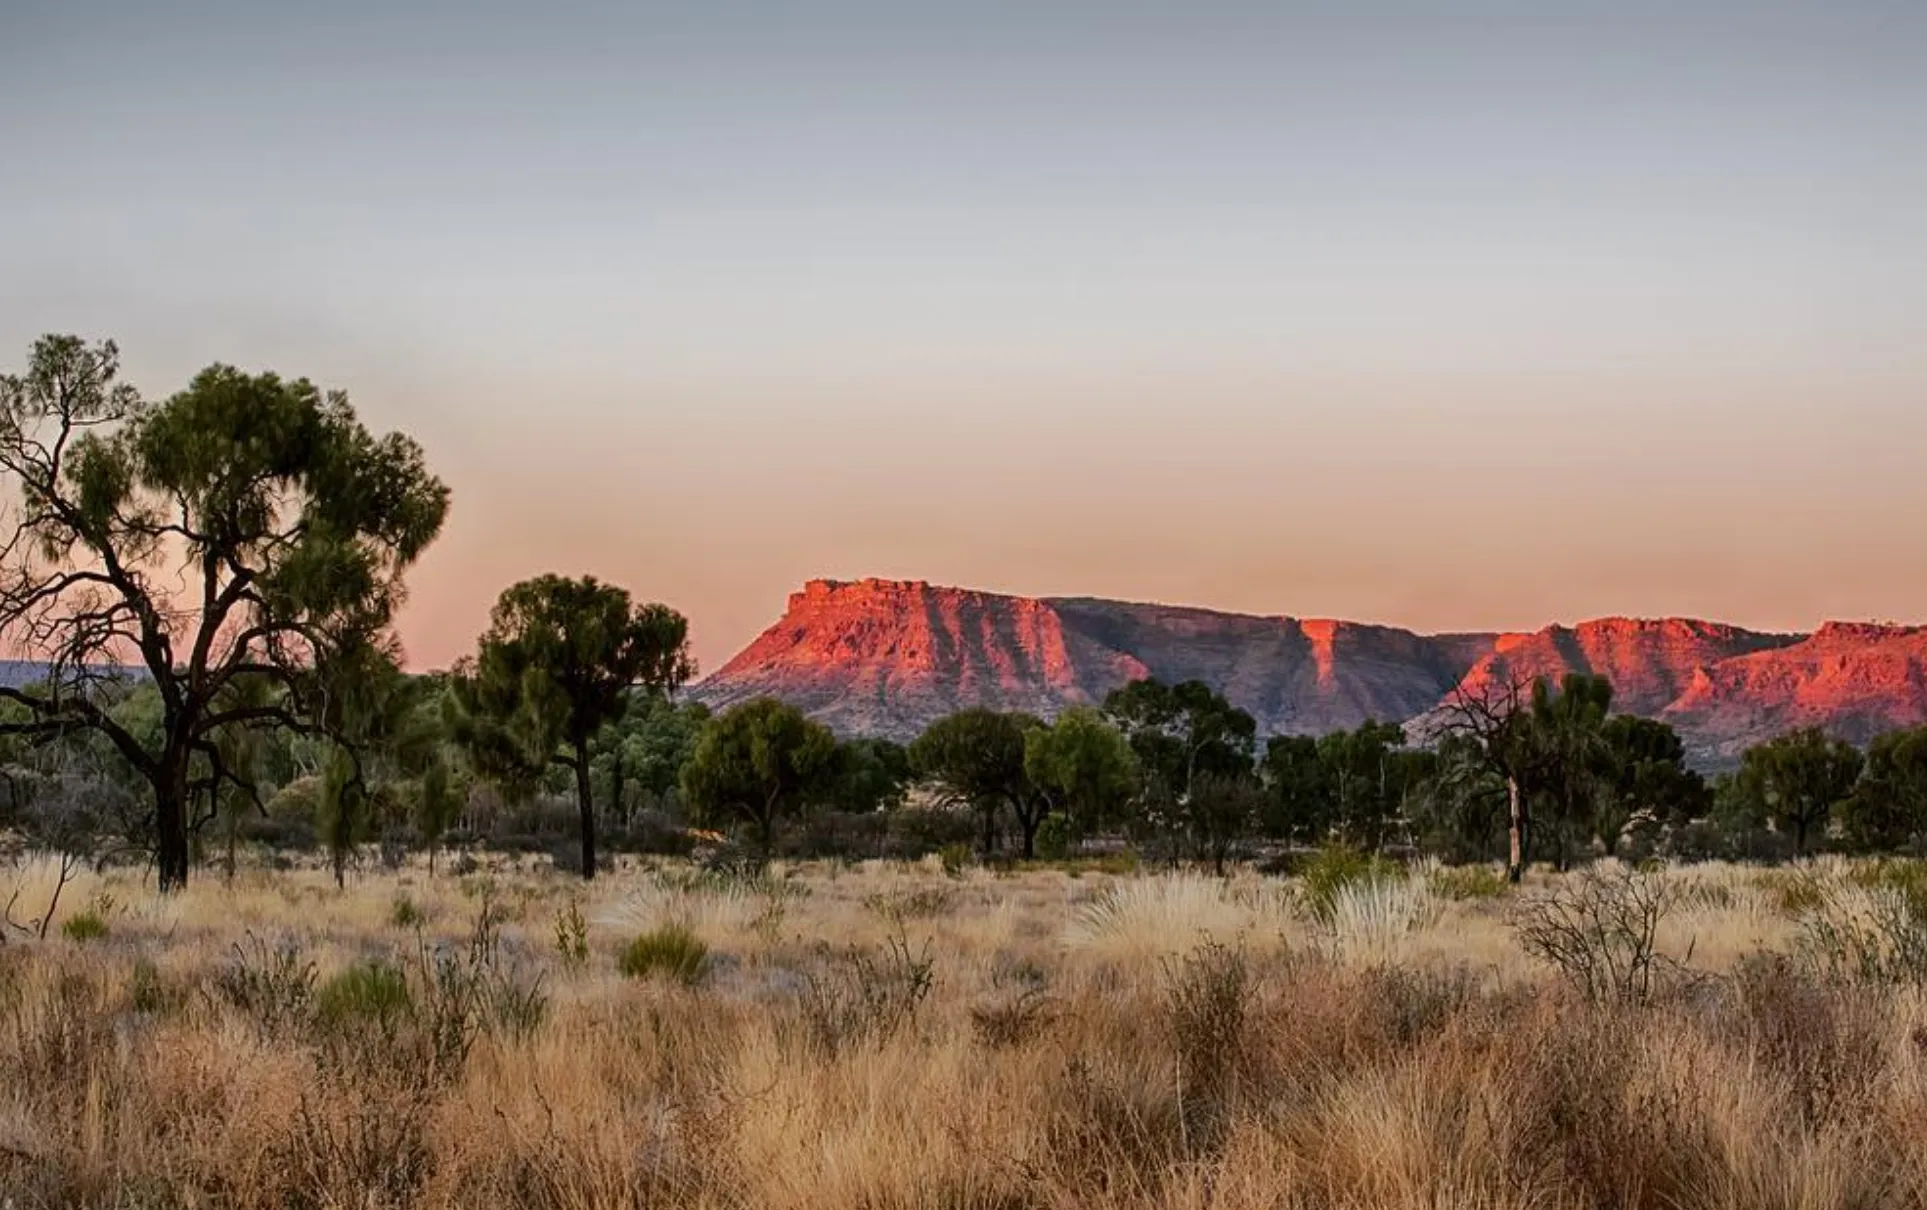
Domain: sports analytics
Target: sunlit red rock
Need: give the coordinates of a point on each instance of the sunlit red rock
(886, 657)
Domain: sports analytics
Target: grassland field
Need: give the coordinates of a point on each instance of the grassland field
(891, 1036)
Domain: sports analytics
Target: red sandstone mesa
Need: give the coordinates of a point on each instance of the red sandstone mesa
(886, 657)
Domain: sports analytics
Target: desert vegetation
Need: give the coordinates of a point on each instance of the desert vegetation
(893, 1034)
(287, 926)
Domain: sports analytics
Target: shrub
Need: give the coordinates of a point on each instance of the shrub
(272, 984)
(955, 858)
(1469, 882)
(1905, 878)
(572, 936)
(672, 950)
(1793, 892)
(85, 925)
(149, 992)
(1207, 999)
(1055, 835)
(1598, 929)
(367, 993)
(1864, 936)
(868, 995)
(1337, 866)
(405, 915)
(919, 903)
(1014, 1020)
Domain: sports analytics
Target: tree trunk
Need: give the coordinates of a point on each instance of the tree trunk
(1516, 831)
(616, 779)
(585, 804)
(170, 826)
(990, 830)
(1027, 823)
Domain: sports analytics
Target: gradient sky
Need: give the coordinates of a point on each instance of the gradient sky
(1461, 315)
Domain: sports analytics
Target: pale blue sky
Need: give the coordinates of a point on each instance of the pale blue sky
(1446, 315)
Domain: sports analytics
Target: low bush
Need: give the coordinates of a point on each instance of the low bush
(1599, 928)
(672, 952)
(405, 915)
(866, 995)
(1055, 836)
(271, 983)
(1337, 866)
(85, 925)
(1469, 882)
(367, 993)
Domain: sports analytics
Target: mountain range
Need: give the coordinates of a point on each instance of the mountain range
(886, 657)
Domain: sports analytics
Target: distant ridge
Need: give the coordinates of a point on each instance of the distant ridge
(885, 657)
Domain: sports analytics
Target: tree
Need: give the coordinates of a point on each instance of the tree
(1888, 808)
(1570, 755)
(248, 527)
(977, 756)
(1459, 808)
(1299, 791)
(1494, 724)
(1181, 731)
(1082, 765)
(646, 749)
(1220, 811)
(870, 775)
(759, 762)
(1363, 773)
(1797, 780)
(1647, 784)
(556, 666)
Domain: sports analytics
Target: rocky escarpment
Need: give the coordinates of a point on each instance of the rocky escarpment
(885, 657)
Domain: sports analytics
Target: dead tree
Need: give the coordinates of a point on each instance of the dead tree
(1497, 718)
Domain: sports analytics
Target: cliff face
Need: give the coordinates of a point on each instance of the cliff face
(1853, 679)
(1650, 662)
(886, 657)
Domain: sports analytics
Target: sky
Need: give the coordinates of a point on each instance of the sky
(1454, 316)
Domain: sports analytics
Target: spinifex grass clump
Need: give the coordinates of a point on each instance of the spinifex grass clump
(670, 952)
(367, 993)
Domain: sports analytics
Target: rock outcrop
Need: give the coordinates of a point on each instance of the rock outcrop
(885, 657)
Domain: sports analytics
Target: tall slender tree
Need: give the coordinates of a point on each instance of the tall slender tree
(558, 663)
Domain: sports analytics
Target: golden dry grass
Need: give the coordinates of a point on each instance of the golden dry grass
(1095, 1040)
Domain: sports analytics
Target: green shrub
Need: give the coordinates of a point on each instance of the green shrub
(1469, 882)
(85, 925)
(1336, 866)
(955, 859)
(405, 915)
(671, 951)
(1055, 835)
(572, 936)
(151, 992)
(367, 993)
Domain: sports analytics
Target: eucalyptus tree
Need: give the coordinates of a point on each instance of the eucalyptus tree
(557, 664)
(977, 756)
(1796, 781)
(242, 546)
(759, 763)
